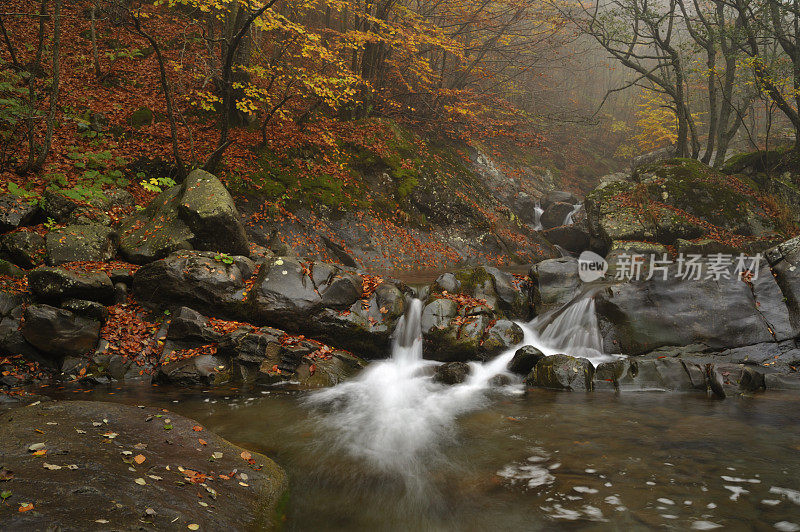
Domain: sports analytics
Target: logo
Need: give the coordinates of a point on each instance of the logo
(591, 266)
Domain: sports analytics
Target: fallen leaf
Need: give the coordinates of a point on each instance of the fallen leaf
(40, 453)
(202, 441)
(35, 447)
(197, 428)
(193, 526)
(51, 467)
(25, 507)
(246, 455)
(140, 481)
(216, 455)
(139, 458)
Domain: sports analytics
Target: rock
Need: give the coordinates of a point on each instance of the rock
(188, 324)
(195, 279)
(57, 206)
(562, 372)
(437, 314)
(114, 197)
(156, 231)
(664, 191)
(102, 487)
(555, 282)
(559, 196)
(87, 309)
(671, 374)
(639, 316)
(451, 373)
(56, 284)
(201, 370)
(209, 211)
(524, 360)
(784, 261)
(447, 282)
(58, 332)
(555, 214)
(661, 154)
(621, 254)
(140, 117)
(16, 211)
(504, 295)
(11, 270)
(120, 293)
(87, 215)
(470, 338)
(574, 238)
(199, 214)
(501, 336)
(91, 242)
(24, 248)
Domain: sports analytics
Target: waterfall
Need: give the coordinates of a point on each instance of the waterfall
(537, 216)
(395, 418)
(568, 219)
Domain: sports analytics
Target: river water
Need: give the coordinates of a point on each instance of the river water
(532, 461)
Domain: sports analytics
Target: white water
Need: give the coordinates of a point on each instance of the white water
(537, 216)
(575, 208)
(395, 417)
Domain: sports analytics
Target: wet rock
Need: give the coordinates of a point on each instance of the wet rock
(555, 214)
(784, 261)
(555, 282)
(437, 314)
(101, 487)
(120, 293)
(188, 324)
(524, 360)
(470, 338)
(56, 284)
(574, 238)
(24, 248)
(451, 373)
(562, 372)
(90, 242)
(559, 196)
(16, 211)
(663, 374)
(87, 309)
(58, 332)
(639, 316)
(501, 336)
(88, 215)
(156, 231)
(201, 370)
(57, 206)
(195, 279)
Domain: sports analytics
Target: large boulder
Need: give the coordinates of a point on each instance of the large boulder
(199, 214)
(574, 238)
(639, 316)
(678, 198)
(462, 338)
(24, 248)
(57, 284)
(16, 211)
(90, 242)
(554, 282)
(504, 294)
(524, 360)
(555, 214)
(93, 481)
(451, 373)
(202, 280)
(562, 372)
(58, 332)
(784, 261)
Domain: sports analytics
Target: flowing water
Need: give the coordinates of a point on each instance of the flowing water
(537, 216)
(392, 450)
(575, 208)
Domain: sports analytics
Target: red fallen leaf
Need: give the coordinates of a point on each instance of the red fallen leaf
(197, 428)
(202, 441)
(26, 507)
(312, 368)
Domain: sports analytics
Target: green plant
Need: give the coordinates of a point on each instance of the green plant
(50, 224)
(224, 257)
(156, 184)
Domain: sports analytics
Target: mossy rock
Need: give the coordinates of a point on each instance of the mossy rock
(142, 116)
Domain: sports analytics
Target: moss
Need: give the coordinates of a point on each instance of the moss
(141, 117)
(471, 278)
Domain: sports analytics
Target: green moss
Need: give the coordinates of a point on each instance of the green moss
(471, 278)
(141, 117)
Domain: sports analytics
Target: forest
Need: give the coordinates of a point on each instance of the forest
(399, 264)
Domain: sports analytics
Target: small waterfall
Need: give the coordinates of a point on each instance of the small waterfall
(575, 208)
(395, 418)
(537, 216)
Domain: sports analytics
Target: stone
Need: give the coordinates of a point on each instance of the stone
(26, 249)
(87, 309)
(201, 370)
(555, 283)
(555, 214)
(451, 373)
(188, 324)
(11, 270)
(524, 360)
(58, 332)
(447, 282)
(57, 284)
(574, 238)
(57, 206)
(559, 196)
(156, 231)
(91, 242)
(209, 211)
(77, 499)
(141, 116)
(194, 279)
(562, 372)
(16, 211)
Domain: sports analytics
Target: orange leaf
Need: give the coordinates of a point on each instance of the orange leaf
(139, 458)
(246, 455)
(26, 507)
(202, 441)
(197, 428)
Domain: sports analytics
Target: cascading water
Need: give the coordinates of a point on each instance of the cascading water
(568, 219)
(394, 416)
(537, 216)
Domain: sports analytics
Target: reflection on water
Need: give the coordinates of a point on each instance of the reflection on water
(534, 461)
